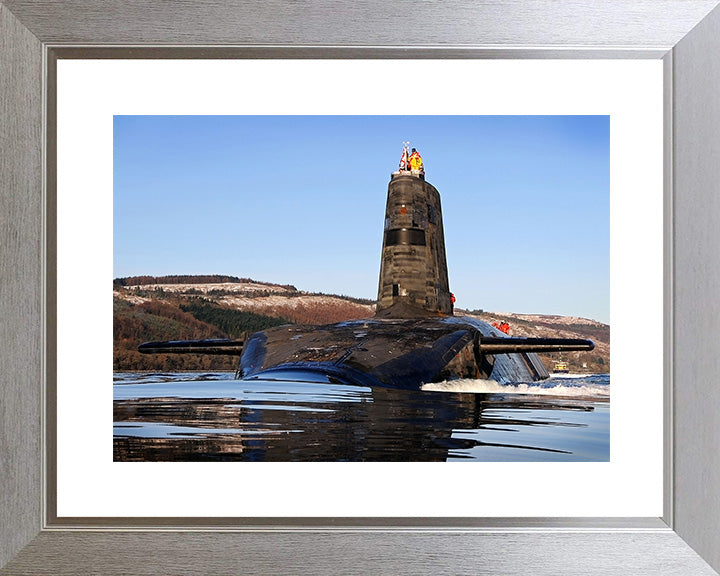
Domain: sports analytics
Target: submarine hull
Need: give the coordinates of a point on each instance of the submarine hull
(396, 353)
(390, 352)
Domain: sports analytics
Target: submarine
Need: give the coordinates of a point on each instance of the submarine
(414, 338)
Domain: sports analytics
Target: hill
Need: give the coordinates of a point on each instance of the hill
(552, 326)
(149, 308)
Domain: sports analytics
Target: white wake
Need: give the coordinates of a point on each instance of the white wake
(545, 388)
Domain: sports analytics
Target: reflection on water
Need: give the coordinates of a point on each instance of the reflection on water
(189, 416)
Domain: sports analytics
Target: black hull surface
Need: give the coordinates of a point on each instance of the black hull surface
(397, 353)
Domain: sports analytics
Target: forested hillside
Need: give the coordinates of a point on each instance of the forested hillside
(134, 323)
(148, 308)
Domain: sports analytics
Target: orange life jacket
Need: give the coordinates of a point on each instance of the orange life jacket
(415, 161)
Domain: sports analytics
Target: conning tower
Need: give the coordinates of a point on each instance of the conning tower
(413, 267)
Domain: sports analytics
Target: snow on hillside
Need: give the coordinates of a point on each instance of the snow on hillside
(128, 297)
(269, 300)
(553, 319)
(261, 303)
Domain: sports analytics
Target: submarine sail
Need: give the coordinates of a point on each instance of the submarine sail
(413, 265)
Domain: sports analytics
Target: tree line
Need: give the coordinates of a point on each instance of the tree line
(192, 279)
(232, 322)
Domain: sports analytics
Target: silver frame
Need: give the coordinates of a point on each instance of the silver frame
(684, 33)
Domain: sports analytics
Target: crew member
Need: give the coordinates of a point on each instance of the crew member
(415, 161)
(452, 303)
(502, 326)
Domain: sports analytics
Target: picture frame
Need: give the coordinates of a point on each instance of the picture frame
(684, 34)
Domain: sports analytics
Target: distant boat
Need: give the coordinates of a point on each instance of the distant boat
(561, 368)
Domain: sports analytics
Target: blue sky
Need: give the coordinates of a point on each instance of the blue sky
(301, 200)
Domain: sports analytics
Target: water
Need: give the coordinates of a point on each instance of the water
(211, 417)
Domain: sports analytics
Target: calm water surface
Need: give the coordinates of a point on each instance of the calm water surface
(212, 416)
